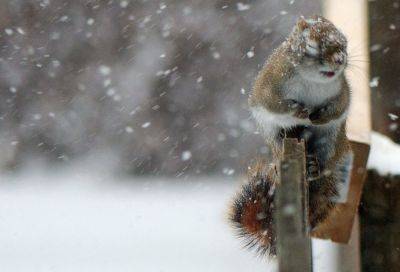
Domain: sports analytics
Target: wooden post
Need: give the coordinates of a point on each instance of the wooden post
(291, 200)
(380, 223)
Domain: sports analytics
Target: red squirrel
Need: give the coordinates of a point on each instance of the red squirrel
(301, 92)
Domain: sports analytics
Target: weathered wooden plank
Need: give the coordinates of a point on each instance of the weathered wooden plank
(293, 241)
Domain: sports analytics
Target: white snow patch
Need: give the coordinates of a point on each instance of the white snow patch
(384, 155)
(83, 221)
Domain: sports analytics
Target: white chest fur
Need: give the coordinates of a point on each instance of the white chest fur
(310, 93)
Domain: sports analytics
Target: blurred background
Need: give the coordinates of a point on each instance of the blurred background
(161, 86)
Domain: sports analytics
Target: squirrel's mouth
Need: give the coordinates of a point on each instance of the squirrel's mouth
(328, 73)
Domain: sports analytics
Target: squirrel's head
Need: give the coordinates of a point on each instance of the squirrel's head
(320, 49)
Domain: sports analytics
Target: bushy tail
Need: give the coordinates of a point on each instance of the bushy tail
(253, 208)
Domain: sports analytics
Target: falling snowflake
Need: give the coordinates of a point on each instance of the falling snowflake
(393, 117)
(37, 116)
(216, 55)
(128, 129)
(104, 70)
(375, 47)
(107, 82)
(20, 31)
(186, 155)
(242, 7)
(64, 18)
(90, 21)
(374, 82)
(8, 31)
(228, 171)
(123, 4)
(111, 92)
(146, 125)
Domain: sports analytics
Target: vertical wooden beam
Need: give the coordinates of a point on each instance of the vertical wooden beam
(380, 223)
(351, 17)
(291, 200)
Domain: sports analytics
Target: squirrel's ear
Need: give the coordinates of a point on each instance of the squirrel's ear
(302, 24)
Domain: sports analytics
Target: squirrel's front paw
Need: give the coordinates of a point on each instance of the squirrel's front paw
(298, 109)
(319, 116)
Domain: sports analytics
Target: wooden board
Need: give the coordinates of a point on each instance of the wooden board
(291, 216)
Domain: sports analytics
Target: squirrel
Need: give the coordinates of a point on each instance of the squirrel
(301, 92)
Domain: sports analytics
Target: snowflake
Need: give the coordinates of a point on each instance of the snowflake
(374, 82)
(242, 7)
(129, 129)
(186, 155)
(146, 125)
(104, 70)
(124, 4)
(8, 31)
(90, 21)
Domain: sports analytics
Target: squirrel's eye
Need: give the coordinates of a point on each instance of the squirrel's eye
(312, 50)
(315, 57)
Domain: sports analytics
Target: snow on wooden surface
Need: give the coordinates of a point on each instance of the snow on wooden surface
(384, 156)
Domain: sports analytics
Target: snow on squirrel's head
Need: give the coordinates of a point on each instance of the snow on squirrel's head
(320, 49)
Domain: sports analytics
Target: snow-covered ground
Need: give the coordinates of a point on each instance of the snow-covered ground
(75, 220)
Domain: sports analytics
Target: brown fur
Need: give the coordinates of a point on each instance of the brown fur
(256, 196)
